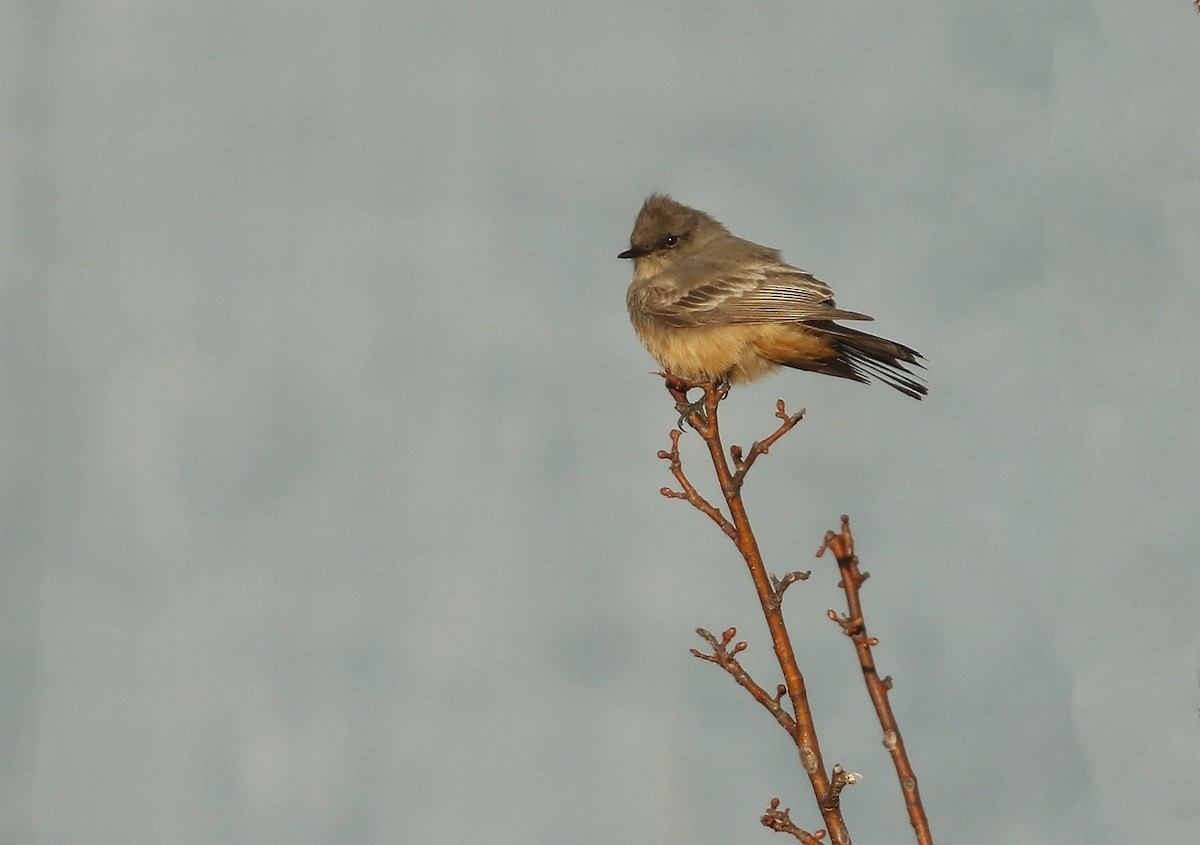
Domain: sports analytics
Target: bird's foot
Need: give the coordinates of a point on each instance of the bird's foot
(679, 387)
(687, 410)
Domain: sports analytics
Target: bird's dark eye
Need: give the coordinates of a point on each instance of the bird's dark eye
(670, 241)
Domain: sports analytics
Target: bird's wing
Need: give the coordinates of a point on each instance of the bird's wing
(754, 293)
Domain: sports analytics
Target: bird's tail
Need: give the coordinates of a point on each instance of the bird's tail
(863, 356)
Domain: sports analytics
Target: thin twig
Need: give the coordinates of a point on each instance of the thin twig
(781, 822)
(761, 447)
(781, 584)
(724, 657)
(689, 491)
(854, 626)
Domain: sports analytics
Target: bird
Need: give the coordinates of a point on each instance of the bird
(710, 306)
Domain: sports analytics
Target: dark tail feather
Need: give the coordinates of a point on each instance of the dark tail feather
(864, 356)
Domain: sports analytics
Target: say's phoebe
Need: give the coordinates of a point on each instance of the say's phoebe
(713, 307)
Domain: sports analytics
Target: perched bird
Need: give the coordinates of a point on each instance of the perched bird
(713, 307)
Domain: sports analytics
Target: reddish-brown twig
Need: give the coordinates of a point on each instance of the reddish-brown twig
(724, 656)
(702, 417)
(689, 491)
(781, 822)
(760, 447)
(854, 626)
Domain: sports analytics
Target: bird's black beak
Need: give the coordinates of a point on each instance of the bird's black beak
(633, 252)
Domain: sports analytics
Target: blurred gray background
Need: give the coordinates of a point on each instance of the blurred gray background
(331, 504)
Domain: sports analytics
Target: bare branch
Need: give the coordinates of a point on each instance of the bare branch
(701, 415)
(781, 822)
(854, 626)
(689, 492)
(761, 447)
(779, 585)
(724, 657)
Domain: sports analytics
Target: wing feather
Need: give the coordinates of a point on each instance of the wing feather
(749, 293)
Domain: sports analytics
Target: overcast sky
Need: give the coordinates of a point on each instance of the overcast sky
(331, 504)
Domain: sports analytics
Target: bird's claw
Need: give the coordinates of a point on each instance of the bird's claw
(689, 409)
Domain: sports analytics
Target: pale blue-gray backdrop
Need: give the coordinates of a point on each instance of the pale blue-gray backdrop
(330, 490)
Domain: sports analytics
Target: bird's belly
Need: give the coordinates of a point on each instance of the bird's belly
(705, 353)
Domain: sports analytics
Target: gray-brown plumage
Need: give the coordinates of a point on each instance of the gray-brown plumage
(711, 306)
